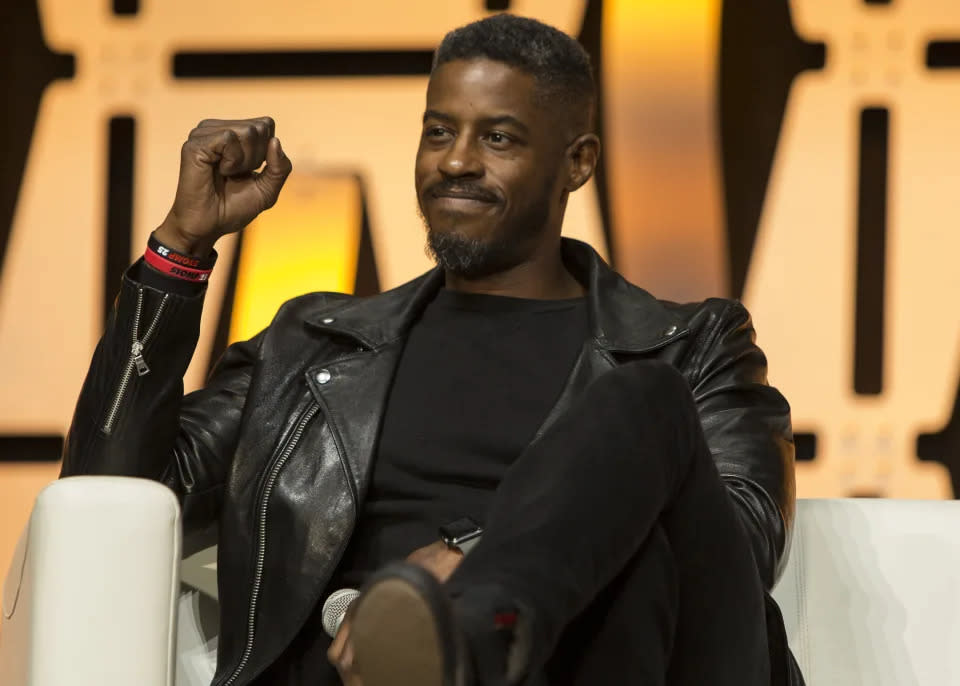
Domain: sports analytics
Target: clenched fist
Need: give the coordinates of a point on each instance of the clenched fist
(220, 190)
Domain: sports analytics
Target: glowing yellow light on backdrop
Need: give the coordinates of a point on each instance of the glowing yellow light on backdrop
(321, 217)
(661, 149)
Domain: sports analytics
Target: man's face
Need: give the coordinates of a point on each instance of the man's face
(489, 167)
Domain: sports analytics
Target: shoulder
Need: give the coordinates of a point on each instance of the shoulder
(712, 314)
(313, 305)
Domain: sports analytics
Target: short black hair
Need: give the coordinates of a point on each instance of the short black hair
(559, 64)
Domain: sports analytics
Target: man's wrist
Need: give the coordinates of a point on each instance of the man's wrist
(169, 261)
(183, 243)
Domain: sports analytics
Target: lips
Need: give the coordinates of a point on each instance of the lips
(464, 196)
(462, 204)
(468, 192)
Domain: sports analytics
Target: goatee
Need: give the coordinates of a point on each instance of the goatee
(470, 258)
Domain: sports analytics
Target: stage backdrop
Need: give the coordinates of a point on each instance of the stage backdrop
(801, 156)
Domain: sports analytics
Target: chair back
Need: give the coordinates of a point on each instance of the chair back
(871, 592)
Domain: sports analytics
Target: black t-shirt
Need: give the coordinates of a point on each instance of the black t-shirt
(477, 378)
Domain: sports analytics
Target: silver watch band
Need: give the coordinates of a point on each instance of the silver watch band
(467, 546)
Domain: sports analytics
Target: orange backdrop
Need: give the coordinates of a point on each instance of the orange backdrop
(660, 205)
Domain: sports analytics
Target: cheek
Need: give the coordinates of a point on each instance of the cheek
(528, 191)
(422, 166)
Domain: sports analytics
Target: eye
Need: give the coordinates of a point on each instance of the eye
(435, 132)
(498, 138)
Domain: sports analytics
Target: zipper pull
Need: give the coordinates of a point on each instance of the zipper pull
(137, 352)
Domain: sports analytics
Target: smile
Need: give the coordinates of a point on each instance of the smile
(462, 203)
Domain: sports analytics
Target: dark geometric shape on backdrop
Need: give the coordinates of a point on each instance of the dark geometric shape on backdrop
(871, 251)
(944, 446)
(126, 8)
(367, 279)
(221, 338)
(255, 64)
(41, 448)
(943, 55)
(805, 446)
(591, 35)
(119, 206)
(760, 55)
(27, 66)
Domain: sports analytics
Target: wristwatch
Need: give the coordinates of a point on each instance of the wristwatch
(461, 534)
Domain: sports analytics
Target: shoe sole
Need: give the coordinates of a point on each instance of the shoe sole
(402, 632)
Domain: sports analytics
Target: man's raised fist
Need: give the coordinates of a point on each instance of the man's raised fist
(220, 190)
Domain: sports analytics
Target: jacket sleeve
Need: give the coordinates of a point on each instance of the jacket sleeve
(132, 419)
(747, 426)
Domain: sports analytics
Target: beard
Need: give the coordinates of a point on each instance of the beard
(470, 258)
(473, 258)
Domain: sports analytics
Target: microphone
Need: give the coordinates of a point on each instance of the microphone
(335, 609)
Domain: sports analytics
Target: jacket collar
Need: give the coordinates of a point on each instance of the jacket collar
(623, 317)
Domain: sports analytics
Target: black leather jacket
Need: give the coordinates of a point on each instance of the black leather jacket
(278, 447)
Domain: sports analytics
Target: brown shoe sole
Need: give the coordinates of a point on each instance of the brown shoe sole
(401, 631)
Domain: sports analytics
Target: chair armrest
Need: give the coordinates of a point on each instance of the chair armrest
(91, 596)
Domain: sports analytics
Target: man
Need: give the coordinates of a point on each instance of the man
(628, 465)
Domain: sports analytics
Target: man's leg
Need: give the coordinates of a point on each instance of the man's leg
(625, 636)
(581, 502)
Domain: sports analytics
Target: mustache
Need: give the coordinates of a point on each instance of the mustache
(462, 189)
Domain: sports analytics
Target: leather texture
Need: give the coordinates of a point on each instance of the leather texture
(870, 596)
(278, 447)
(90, 598)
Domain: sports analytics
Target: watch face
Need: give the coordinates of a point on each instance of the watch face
(459, 531)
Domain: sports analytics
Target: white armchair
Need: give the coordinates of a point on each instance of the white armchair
(90, 598)
(871, 594)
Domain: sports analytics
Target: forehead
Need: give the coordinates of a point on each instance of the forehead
(480, 88)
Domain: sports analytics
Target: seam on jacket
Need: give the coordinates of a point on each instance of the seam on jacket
(782, 552)
(706, 339)
(341, 453)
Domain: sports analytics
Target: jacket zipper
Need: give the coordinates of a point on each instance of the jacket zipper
(136, 360)
(262, 537)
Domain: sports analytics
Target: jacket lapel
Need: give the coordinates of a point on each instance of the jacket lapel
(353, 397)
(352, 390)
(624, 319)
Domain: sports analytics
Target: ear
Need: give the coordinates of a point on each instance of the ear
(583, 155)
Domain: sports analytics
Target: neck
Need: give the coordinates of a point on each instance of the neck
(542, 277)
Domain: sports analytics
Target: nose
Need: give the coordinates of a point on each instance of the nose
(461, 159)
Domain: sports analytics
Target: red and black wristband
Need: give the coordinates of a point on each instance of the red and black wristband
(168, 261)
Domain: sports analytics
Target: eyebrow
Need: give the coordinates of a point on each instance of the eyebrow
(488, 121)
